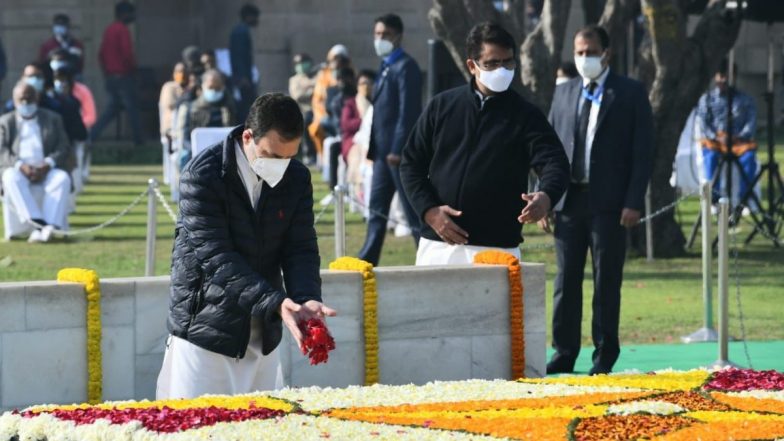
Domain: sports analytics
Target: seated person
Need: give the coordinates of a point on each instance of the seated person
(712, 112)
(33, 148)
(61, 61)
(70, 107)
(213, 108)
(34, 74)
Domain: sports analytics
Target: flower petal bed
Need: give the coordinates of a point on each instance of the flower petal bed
(665, 405)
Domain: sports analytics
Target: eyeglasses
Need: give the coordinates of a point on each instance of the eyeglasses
(509, 63)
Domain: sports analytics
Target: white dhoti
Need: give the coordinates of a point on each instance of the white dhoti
(189, 371)
(431, 252)
(54, 207)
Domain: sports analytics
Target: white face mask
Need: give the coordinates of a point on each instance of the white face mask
(270, 170)
(589, 67)
(383, 47)
(497, 80)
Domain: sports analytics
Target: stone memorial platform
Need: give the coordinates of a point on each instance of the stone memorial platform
(438, 323)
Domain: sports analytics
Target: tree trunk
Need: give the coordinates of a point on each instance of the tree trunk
(683, 71)
(592, 11)
(540, 52)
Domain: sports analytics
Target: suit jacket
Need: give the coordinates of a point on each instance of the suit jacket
(622, 151)
(55, 139)
(397, 103)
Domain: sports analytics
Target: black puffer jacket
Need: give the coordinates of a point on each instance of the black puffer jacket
(227, 259)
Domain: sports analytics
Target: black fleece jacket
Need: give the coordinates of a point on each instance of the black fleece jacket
(476, 159)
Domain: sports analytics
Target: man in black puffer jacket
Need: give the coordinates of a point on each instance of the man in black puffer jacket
(245, 229)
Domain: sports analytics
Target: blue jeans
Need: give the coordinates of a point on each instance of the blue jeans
(386, 180)
(748, 165)
(122, 94)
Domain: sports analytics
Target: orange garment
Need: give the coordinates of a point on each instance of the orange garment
(739, 146)
(85, 97)
(324, 81)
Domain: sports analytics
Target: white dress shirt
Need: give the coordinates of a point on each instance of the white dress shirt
(592, 118)
(31, 147)
(249, 178)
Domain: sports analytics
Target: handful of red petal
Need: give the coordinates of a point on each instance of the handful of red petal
(317, 341)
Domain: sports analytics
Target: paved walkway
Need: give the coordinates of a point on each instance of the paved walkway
(764, 355)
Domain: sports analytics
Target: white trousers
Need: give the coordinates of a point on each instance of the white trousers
(431, 252)
(54, 207)
(189, 371)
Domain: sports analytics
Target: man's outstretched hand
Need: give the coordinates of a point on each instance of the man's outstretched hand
(537, 207)
(292, 313)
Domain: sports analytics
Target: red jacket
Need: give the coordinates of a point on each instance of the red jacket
(116, 53)
(350, 120)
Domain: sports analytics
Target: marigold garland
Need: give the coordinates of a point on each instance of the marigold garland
(92, 290)
(516, 292)
(370, 311)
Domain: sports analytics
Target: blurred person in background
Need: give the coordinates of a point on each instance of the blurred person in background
(565, 72)
(191, 56)
(324, 80)
(3, 67)
(62, 40)
(213, 108)
(208, 60)
(171, 92)
(241, 55)
(346, 88)
(118, 63)
(358, 112)
(34, 74)
(70, 111)
(61, 62)
(301, 86)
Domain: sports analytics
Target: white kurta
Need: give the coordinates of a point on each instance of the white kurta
(431, 252)
(53, 209)
(189, 371)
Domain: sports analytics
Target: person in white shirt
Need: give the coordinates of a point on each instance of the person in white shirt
(33, 149)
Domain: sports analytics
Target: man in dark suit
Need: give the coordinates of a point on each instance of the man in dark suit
(605, 123)
(397, 103)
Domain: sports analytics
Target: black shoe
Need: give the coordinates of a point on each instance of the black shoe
(596, 370)
(559, 367)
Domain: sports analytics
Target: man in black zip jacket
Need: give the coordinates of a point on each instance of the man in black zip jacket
(245, 228)
(465, 166)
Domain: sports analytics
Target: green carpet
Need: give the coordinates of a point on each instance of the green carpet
(764, 355)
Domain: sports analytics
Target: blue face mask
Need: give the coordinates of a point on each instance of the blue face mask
(58, 64)
(36, 82)
(27, 110)
(60, 30)
(212, 95)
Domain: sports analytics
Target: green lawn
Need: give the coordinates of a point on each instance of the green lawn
(661, 300)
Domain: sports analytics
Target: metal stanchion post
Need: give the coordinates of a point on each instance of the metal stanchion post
(706, 333)
(724, 258)
(340, 222)
(648, 227)
(152, 206)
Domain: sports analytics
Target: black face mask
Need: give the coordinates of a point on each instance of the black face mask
(129, 19)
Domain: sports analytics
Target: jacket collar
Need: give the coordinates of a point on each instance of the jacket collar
(472, 94)
(229, 163)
